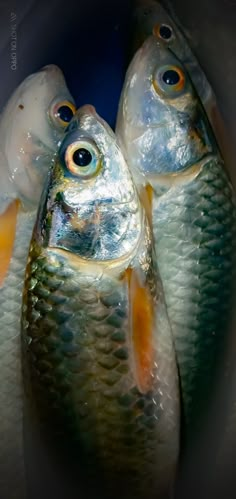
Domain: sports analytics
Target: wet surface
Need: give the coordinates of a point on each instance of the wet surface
(88, 40)
(208, 471)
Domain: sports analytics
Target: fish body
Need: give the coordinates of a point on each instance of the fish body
(29, 134)
(150, 17)
(11, 391)
(99, 364)
(170, 148)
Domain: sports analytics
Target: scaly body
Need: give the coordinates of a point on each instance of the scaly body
(11, 391)
(29, 136)
(99, 361)
(171, 150)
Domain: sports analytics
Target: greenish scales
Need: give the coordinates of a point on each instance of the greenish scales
(170, 148)
(90, 261)
(28, 142)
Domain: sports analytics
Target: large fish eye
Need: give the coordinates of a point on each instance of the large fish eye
(163, 31)
(83, 159)
(62, 112)
(169, 80)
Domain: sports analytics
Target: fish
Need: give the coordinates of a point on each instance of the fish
(100, 371)
(31, 125)
(150, 17)
(172, 153)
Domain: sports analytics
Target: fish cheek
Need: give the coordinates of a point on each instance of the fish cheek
(8, 221)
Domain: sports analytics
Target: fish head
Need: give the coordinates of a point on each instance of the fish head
(161, 123)
(32, 124)
(150, 17)
(91, 206)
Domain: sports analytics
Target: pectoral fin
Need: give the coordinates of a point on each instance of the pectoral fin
(8, 221)
(146, 197)
(141, 330)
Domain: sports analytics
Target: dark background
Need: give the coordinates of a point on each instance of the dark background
(89, 40)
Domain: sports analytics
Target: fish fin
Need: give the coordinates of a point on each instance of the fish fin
(146, 197)
(8, 220)
(141, 319)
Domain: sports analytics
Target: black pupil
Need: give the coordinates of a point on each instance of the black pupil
(165, 32)
(65, 113)
(171, 77)
(82, 157)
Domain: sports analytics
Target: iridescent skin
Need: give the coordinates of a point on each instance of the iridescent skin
(28, 142)
(29, 135)
(80, 343)
(168, 144)
(149, 15)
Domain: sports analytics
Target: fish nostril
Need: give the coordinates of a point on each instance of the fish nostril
(90, 109)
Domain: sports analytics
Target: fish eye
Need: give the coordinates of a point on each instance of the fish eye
(62, 112)
(163, 31)
(83, 159)
(169, 80)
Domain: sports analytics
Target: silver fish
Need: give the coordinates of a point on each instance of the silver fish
(150, 17)
(100, 368)
(31, 126)
(171, 151)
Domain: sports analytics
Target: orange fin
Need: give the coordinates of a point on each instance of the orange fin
(142, 326)
(146, 197)
(8, 221)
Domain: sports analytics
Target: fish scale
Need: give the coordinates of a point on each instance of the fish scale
(11, 390)
(99, 363)
(28, 142)
(196, 317)
(73, 375)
